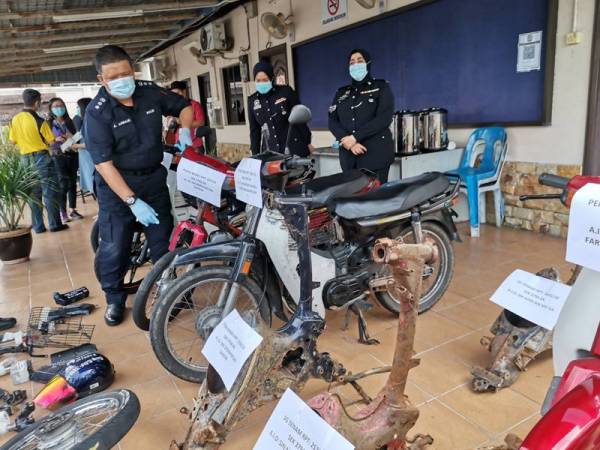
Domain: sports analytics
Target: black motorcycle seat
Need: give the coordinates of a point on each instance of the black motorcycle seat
(391, 198)
(325, 189)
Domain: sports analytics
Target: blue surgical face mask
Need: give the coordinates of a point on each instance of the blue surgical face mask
(263, 86)
(59, 111)
(358, 71)
(122, 88)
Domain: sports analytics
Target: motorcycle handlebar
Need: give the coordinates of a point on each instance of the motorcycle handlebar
(547, 179)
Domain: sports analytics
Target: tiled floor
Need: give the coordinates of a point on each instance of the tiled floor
(447, 343)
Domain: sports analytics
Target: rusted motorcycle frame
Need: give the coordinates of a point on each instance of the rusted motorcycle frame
(288, 357)
(386, 420)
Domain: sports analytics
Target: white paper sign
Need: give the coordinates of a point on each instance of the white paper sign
(167, 160)
(69, 142)
(583, 240)
(200, 181)
(529, 53)
(247, 182)
(229, 346)
(333, 10)
(293, 425)
(535, 298)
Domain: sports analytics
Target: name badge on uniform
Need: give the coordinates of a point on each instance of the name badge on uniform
(280, 100)
(150, 111)
(370, 91)
(121, 123)
(257, 104)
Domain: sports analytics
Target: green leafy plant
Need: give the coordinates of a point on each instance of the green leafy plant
(18, 180)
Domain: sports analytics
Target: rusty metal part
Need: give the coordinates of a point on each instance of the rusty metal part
(515, 343)
(511, 442)
(280, 362)
(386, 420)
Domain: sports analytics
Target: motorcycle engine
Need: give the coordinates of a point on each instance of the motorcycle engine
(340, 290)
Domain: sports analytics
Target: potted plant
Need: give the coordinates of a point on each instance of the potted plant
(18, 179)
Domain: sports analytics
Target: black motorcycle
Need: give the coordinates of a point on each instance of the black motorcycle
(264, 271)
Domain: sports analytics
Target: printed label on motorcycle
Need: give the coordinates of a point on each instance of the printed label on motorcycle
(229, 346)
(294, 425)
(583, 240)
(200, 181)
(247, 182)
(535, 298)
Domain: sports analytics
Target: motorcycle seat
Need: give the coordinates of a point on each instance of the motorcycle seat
(325, 189)
(391, 198)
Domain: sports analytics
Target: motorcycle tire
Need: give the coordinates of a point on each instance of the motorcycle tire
(130, 287)
(95, 236)
(102, 437)
(434, 289)
(162, 317)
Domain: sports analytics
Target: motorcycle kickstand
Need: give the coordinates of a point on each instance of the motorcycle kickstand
(363, 333)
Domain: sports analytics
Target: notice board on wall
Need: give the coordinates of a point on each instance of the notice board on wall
(458, 54)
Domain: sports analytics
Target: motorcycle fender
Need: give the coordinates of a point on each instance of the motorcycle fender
(444, 218)
(227, 249)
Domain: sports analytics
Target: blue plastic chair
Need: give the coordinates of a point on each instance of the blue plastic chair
(479, 173)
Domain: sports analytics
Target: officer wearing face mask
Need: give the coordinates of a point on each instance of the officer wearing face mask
(123, 133)
(269, 109)
(360, 117)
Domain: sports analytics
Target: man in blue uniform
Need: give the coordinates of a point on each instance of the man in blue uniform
(360, 117)
(123, 125)
(269, 108)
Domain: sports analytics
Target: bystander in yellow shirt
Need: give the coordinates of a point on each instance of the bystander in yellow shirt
(25, 133)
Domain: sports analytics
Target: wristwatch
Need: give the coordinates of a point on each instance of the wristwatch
(129, 201)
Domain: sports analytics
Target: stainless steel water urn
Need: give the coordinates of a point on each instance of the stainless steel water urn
(434, 129)
(408, 132)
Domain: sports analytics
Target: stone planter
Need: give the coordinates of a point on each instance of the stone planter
(15, 246)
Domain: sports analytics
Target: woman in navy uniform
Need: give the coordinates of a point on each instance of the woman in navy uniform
(269, 109)
(123, 133)
(360, 117)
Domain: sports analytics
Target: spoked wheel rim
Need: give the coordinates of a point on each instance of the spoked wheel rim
(159, 288)
(138, 259)
(193, 315)
(65, 430)
(433, 273)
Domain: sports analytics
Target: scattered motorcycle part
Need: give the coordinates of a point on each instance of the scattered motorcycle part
(19, 372)
(24, 418)
(72, 353)
(515, 343)
(4, 422)
(385, 421)
(57, 392)
(58, 362)
(6, 364)
(89, 374)
(13, 398)
(7, 409)
(71, 297)
(66, 332)
(99, 421)
(49, 315)
(7, 323)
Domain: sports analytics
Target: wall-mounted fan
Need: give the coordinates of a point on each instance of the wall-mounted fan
(277, 25)
(368, 4)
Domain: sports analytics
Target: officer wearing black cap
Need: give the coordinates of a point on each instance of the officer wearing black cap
(269, 109)
(360, 117)
(123, 133)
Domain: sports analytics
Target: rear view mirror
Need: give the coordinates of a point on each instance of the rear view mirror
(300, 115)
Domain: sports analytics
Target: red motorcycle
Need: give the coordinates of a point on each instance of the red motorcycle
(210, 224)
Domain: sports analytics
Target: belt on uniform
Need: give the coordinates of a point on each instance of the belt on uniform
(140, 172)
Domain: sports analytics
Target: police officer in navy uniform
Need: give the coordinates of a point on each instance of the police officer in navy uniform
(123, 133)
(360, 117)
(269, 109)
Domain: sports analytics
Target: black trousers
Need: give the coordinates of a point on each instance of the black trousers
(117, 225)
(67, 165)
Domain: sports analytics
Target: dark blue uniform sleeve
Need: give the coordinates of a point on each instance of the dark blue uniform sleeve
(335, 126)
(383, 116)
(171, 104)
(254, 128)
(98, 138)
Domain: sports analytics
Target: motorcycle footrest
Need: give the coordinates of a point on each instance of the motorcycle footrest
(493, 379)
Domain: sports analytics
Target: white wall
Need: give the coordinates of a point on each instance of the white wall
(560, 143)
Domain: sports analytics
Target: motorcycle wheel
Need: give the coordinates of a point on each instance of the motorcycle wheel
(139, 257)
(186, 314)
(436, 277)
(99, 421)
(154, 284)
